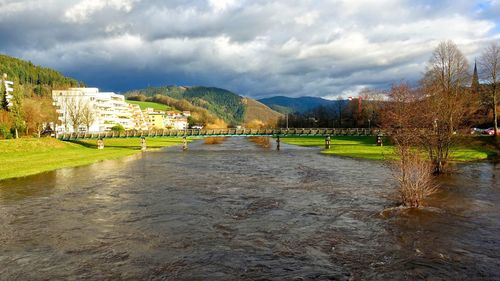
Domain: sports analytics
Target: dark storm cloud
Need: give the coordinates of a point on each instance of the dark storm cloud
(256, 48)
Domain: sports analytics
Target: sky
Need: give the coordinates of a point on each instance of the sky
(255, 48)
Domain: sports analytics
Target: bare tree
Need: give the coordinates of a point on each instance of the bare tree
(88, 116)
(448, 68)
(490, 69)
(403, 115)
(74, 109)
(447, 101)
(5, 124)
(402, 118)
(371, 104)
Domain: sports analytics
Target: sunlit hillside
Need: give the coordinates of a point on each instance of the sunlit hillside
(259, 111)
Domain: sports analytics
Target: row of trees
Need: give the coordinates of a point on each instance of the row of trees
(28, 113)
(363, 111)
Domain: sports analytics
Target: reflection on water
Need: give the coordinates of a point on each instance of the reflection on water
(236, 210)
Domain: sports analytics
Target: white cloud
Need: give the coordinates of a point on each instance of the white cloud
(307, 19)
(81, 11)
(221, 5)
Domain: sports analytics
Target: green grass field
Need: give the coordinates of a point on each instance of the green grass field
(474, 148)
(30, 156)
(468, 149)
(156, 106)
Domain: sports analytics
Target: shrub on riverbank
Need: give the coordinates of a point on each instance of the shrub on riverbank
(414, 175)
(261, 141)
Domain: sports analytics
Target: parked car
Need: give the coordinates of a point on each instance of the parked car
(476, 131)
(490, 131)
(48, 132)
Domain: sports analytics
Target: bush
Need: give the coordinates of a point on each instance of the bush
(136, 97)
(414, 175)
(118, 128)
(5, 132)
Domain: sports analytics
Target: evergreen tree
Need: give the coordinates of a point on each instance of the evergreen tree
(38, 87)
(4, 104)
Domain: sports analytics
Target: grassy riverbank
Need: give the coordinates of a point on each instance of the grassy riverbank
(28, 156)
(468, 148)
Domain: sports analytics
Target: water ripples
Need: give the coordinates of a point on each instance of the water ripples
(236, 211)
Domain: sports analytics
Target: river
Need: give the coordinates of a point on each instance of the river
(237, 211)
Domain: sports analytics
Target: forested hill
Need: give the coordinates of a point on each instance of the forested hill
(295, 105)
(226, 105)
(32, 78)
(223, 103)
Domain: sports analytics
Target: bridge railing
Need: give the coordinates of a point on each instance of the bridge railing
(222, 132)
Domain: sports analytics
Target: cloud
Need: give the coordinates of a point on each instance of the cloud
(82, 10)
(254, 47)
(221, 5)
(307, 19)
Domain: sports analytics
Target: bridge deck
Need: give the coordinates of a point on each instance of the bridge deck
(222, 133)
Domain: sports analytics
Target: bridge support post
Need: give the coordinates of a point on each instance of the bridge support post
(100, 143)
(278, 142)
(380, 141)
(184, 144)
(327, 142)
(144, 146)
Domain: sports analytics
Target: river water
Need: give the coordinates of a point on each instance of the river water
(237, 211)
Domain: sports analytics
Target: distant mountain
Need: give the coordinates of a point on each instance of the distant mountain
(36, 79)
(291, 105)
(232, 108)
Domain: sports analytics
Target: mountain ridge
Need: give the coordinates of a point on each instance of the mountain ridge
(303, 104)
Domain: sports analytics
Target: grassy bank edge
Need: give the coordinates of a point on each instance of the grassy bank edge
(470, 149)
(29, 156)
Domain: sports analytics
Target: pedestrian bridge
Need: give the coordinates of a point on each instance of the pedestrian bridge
(308, 132)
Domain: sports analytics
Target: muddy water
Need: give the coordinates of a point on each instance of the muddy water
(236, 211)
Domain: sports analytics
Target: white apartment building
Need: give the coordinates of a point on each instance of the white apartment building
(139, 119)
(177, 120)
(103, 109)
